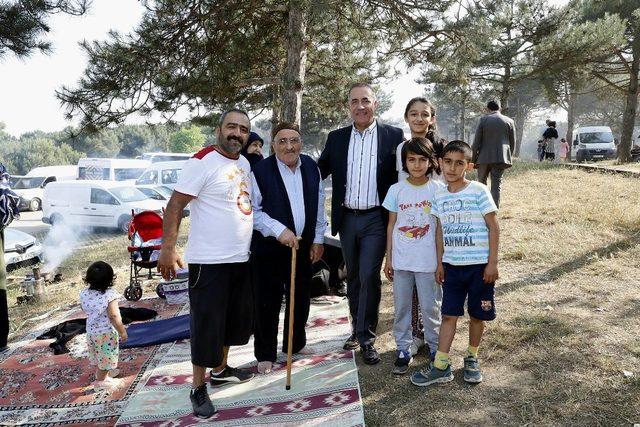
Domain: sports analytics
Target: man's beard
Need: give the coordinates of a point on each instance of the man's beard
(230, 147)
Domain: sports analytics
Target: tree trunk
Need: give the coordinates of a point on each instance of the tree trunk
(296, 61)
(571, 117)
(519, 122)
(463, 119)
(276, 106)
(629, 117)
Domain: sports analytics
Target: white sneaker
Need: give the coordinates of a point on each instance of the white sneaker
(416, 345)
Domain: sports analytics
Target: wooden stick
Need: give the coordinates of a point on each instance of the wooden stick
(291, 307)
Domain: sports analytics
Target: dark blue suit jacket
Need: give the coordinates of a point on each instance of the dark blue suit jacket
(333, 161)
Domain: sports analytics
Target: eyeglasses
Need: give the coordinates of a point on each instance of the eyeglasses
(294, 141)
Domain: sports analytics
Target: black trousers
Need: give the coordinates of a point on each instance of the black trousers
(4, 318)
(4, 310)
(363, 238)
(221, 303)
(271, 280)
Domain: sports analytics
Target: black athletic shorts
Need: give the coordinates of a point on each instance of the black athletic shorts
(466, 282)
(221, 301)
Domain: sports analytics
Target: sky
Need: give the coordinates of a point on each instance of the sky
(27, 86)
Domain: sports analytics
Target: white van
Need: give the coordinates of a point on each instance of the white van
(162, 173)
(111, 169)
(166, 157)
(30, 187)
(94, 203)
(594, 143)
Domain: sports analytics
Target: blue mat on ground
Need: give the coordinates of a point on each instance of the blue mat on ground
(158, 332)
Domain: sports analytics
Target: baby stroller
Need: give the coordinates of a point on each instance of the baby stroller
(145, 233)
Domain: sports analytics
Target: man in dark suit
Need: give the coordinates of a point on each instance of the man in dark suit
(492, 147)
(361, 161)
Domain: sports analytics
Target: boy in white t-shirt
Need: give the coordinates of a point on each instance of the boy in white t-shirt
(411, 249)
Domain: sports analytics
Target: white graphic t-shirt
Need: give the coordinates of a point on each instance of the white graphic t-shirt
(221, 214)
(95, 304)
(414, 241)
(464, 231)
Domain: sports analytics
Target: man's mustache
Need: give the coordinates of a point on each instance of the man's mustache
(232, 137)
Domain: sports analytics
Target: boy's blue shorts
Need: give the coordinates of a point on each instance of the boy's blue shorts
(465, 282)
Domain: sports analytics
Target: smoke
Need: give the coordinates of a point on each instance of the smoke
(61, 241)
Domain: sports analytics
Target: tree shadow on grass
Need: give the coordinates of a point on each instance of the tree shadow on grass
(539, 368)
(570, 266)
(632, 309)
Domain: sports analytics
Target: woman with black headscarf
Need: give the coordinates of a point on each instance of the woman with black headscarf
(253, 149)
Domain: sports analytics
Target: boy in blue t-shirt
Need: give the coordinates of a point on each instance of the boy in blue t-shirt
(467, 244)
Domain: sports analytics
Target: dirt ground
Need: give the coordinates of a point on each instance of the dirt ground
(568, 315)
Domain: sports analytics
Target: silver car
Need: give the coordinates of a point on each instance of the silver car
(20, 249)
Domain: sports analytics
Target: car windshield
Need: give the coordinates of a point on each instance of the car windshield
(149, 177)
(25, 183)
(165, 191)
(128, 194)
(596, 137)
(152, 193)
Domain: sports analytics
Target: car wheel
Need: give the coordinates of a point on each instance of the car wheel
(35, 205)
(123, 223)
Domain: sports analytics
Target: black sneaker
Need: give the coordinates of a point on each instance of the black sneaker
(351, 343)
(401, 365)
(231, 375)
(370, 354)
(202, 406)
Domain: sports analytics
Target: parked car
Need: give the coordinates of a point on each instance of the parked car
(30, 187)
(160, 193)
(92, 168)
(20, 249)
(165, 157)
(594, 143)
(162, 173)
(95, 203)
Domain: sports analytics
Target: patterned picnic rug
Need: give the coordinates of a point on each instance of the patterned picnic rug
(324, 390)
(38, 387)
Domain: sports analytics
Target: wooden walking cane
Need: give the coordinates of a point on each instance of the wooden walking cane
(291, 306)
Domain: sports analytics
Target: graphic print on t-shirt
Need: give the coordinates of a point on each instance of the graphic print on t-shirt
(239, 189)
(457, 222)
(413, 239)
(416, 220)
(464, 231)
(244, 199)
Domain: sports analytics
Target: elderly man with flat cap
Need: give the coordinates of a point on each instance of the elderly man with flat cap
(288, 209)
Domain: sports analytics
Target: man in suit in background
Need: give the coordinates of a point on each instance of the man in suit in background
(361, 161)
(492, 147)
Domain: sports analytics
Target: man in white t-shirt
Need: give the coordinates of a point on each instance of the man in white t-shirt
(217, 183)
